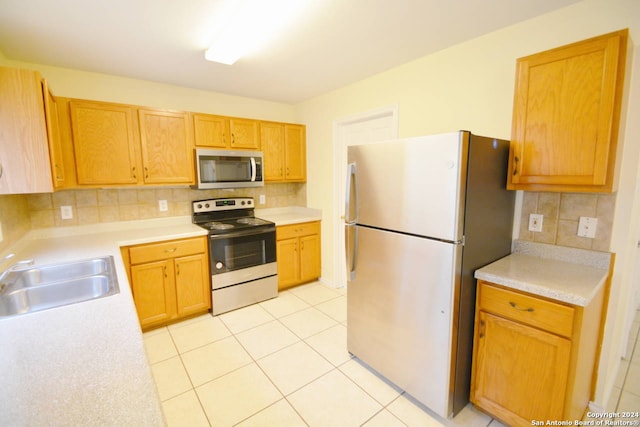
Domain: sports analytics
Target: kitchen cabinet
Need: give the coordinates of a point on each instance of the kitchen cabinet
(166, 140)
(25, 164)
(116, 144)
(106, 143)
(566, 116)
(284, 150)
(244, 134)
(533, 358)
(298, 253)
(169, 280)
(211, 131)
(54, 137)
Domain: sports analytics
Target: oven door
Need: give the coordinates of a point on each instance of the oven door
(242, 249)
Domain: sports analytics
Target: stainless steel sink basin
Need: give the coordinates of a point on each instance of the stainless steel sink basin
(44, 287)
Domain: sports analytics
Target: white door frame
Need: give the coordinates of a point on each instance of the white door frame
(383, 120)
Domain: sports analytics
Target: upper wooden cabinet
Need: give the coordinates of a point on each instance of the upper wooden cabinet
(284, 150)
(167, 147)
(244, 134)
(105, 140)
(566, 116)
(211, 131)
(117, 144)
(24, 146)
(54, 137)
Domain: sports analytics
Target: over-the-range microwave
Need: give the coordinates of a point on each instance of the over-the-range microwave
(228, 169)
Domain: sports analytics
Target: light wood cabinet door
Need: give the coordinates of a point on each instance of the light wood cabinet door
(298, 253)
(211, 131)
(521, 371)
(244, 134)
(54, 137)
(105, 142)
(193, 293)
(288, 262)
(25, 165)
(295, 153)
(154, 292)
(309, 257)
(167, 147)
(566, 116)
(272, 143)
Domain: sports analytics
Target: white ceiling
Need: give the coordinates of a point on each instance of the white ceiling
(337, 43)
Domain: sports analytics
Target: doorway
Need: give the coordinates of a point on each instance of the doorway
(363, 128)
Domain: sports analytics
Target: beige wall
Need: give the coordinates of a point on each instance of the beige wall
(470, 86)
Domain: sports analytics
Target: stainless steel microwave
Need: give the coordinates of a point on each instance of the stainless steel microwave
(229, 169)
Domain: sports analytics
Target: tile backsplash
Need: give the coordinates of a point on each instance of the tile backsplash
(562, 212)
(14, 216)
(92, 206)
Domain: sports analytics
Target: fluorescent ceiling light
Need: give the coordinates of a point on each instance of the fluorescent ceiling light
(251, 25)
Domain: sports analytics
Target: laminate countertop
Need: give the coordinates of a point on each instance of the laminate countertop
(573, 276)
(85, 363)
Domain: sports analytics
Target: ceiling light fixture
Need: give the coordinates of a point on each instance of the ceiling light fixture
(251, 25)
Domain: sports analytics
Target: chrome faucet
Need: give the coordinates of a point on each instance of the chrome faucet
(13, 267)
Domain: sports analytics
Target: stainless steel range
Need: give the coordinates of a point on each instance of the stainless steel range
(242, 252)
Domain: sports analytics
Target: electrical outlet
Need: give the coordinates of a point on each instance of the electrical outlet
(535, 222)
(162, 205)
(263, 199)
(587, 227)
(66, 212)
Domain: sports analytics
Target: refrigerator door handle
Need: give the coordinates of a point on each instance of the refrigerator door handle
(350, 200)
(351, 249)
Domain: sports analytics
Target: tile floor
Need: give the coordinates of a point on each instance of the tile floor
(284, 362)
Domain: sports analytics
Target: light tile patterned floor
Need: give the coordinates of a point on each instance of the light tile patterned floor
(284, 362)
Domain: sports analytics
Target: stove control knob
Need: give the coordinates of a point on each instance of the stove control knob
(219, 265)
(242, 203)
(207, 205)
(199, 206)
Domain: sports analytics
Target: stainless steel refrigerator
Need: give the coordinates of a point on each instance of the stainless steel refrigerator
(421, 215)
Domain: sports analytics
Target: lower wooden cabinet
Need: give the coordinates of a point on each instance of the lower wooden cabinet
(298, 253)
(169, 280)
(533, 358)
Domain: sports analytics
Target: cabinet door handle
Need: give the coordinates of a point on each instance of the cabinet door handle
(146, 173)
(133, 172)
(177, 269)
(514, 305)
(515, 165)
(481, 333)
(165, 271)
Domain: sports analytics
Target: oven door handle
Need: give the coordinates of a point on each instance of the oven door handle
(248, 232)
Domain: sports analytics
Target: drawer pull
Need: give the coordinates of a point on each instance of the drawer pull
(170, 250)
(514, 305)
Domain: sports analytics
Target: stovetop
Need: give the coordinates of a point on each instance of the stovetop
(220, 216)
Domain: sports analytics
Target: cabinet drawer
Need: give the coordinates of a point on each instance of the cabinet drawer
(539, 313)
(169, 249)
(295, 230)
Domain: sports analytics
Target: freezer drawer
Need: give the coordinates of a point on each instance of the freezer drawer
(400, 311)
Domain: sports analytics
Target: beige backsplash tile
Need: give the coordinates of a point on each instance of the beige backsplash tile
(92, 206)
(562, 212)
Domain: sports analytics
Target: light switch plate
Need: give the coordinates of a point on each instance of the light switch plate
(66, 212)
(535, 222)
(587, 227)
(162, 205)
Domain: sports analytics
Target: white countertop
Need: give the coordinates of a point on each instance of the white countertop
(85, 363)
(289, 215)
(569, 275)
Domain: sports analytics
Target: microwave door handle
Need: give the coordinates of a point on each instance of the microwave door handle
(253, 169)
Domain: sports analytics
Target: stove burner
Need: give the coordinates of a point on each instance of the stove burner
(217, 225)
(251, 221)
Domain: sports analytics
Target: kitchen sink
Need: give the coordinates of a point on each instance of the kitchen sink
(37, 288)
